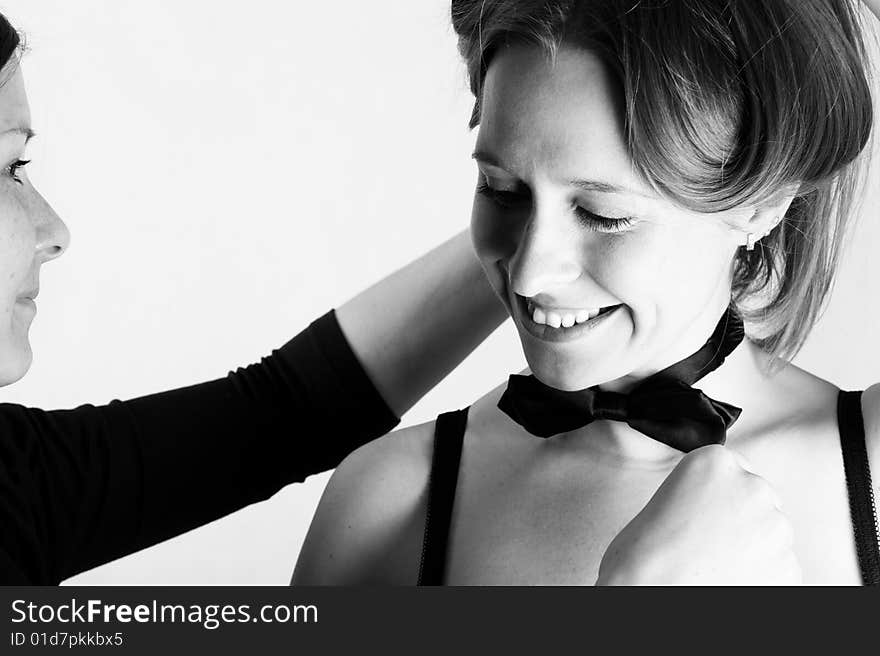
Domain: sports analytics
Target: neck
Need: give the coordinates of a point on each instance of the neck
(741, 380)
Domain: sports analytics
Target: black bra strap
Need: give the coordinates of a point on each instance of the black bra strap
(858, 483)
(448, 440)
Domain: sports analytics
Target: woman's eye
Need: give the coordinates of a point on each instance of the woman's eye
(13, 168)
(601, 223)
(510, 199)
(502, 197)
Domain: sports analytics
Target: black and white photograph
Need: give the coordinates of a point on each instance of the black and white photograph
(440, 293)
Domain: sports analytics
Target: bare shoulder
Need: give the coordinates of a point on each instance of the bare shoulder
(369, 520)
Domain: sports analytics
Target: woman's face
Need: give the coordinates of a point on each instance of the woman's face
(30, 232)
(565, 228)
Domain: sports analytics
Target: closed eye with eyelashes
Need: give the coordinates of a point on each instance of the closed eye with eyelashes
(507, 199)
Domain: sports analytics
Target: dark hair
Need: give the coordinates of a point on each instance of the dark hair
(12, 45)
(725, 102)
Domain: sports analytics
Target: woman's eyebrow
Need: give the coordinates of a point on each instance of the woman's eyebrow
(597, 186)
(606, 187)
(21, 129)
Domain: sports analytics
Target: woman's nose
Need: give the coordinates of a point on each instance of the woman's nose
(547, 257)
(53, 237)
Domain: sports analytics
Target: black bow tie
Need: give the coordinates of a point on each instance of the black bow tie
(663, 406)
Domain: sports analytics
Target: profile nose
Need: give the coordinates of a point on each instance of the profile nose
(546, 258)
(53, 236)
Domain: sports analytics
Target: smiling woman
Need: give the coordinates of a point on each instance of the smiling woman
(535, 260)
(649, 174)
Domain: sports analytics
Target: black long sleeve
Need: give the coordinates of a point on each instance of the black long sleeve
(81, 487)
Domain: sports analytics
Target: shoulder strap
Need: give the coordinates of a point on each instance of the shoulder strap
(448, 440)
(858, 483)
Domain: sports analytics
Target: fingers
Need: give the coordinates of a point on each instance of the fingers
(726, 454)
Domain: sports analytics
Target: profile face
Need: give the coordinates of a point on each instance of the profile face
(30, 232)
(606, 281)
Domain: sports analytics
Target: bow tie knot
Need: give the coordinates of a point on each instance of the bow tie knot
(608, 405)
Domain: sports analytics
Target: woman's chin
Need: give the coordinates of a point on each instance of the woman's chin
(576, 364)
(15, 360)
(566, 379)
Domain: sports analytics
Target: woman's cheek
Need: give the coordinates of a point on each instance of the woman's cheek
(696, 265)
(628, 266)
(665, 268)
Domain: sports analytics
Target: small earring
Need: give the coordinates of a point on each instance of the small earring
(753, 238)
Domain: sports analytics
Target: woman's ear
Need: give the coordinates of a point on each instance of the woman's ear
(765, 216)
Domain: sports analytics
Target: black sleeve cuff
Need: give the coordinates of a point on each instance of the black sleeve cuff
(339, 390)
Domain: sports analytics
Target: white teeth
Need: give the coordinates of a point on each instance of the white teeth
(560, 319)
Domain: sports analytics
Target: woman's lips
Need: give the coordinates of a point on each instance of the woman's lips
(559, 317)
(559, 324)
(26, 303)
(26, 299)
(30, 294)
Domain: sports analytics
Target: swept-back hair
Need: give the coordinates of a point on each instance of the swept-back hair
(725, 102)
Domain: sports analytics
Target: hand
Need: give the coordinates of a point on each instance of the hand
(711, 522)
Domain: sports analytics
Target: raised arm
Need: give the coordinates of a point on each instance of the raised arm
(81, 487)
(415, 326)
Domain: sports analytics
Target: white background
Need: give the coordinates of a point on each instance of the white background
(229, 171)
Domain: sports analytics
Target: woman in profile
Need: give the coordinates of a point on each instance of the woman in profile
(662, 195)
